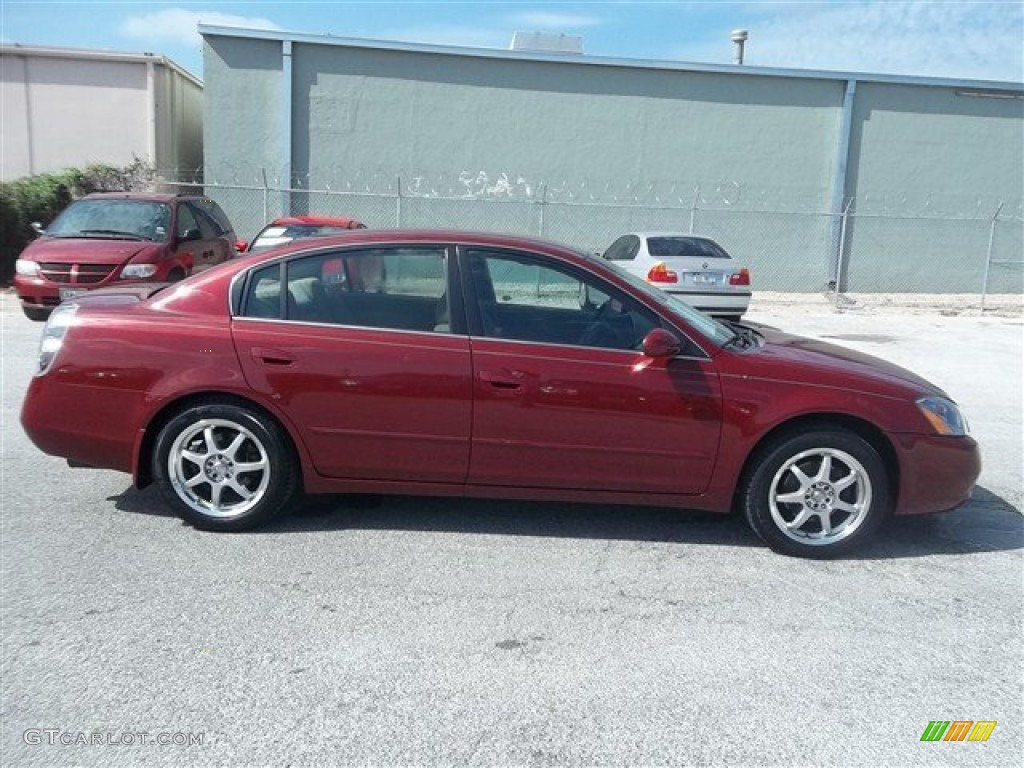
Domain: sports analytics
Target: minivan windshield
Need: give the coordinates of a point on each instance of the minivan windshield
(113, 218)
(713, 330)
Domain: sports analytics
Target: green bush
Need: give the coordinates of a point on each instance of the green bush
(41, 197)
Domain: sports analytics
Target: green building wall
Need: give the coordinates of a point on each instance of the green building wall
(758, 152)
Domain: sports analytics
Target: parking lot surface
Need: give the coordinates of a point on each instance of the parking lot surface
(440, 632)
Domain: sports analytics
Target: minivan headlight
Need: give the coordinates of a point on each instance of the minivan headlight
(26, 268)
(943, 415)
(138, 271)
(53, 335)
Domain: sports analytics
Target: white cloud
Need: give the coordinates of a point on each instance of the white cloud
(545, 20)
(178, 25)
(981, 40)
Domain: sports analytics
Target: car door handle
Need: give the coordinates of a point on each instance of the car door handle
(269, 356)
(501, 379)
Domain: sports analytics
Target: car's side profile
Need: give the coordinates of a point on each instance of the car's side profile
(448, 363)
(693, 268)
(119, 238)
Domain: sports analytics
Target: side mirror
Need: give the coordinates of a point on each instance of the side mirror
(191, 234)
(241, 246)
(661, 343)
(37, 228)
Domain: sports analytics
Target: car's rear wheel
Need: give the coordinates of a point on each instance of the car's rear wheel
(818, 494)
(36, 314)
(224, 467)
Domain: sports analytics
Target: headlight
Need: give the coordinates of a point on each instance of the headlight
(138, 271)
(943, 415)
(53, 334)
(26, 268)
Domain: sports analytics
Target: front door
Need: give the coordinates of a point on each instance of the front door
(562, 396)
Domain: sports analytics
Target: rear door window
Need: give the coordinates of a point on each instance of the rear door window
(402, 288)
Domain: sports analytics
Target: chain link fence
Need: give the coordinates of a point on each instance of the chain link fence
(874, 246)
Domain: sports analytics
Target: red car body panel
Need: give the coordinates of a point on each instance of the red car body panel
(343, 222)
(372, 410)
(362, 417)
(592, 420)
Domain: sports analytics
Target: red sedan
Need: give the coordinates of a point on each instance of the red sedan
(288, 228)
(460, 364)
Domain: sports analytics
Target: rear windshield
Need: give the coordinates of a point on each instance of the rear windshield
(663, 247)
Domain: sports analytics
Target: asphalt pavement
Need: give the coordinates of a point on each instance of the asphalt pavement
(454, 632)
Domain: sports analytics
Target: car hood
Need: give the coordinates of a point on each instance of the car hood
(90, 250)
(784, 354)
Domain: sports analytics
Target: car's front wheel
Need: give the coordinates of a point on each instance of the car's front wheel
(36, 314)
(818, 494)
(224, 467)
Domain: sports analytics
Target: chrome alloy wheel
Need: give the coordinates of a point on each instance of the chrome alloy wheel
(820, 496)
(218, 468)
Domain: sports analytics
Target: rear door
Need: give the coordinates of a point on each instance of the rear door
(364, 353)
(562, 396)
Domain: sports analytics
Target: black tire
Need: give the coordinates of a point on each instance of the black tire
(176, 275)
(799, 506)
(197, 470)
(35, 314)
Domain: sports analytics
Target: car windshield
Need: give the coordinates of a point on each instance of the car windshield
(279, 235)
(114, 218)
(667, 247)
(715, 331)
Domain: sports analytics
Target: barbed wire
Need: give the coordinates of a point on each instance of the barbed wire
(509, 187)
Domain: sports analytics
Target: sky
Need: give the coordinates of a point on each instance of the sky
(970, 39)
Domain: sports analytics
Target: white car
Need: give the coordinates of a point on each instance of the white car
(695, 269)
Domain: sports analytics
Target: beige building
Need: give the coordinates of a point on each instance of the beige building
(65, 107)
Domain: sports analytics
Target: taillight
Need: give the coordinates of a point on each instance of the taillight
(659, 273)
(740, 278)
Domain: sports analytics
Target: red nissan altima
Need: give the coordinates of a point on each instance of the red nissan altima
(463, 364)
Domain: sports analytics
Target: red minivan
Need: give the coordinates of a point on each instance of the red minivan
(114, 238)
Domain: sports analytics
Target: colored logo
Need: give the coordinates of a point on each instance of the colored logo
(958, 730)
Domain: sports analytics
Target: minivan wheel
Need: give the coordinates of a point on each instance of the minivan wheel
(36, 314)
(224, 467)
(818, 494)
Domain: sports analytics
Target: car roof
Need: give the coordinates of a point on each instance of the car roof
(418, 236)
(687, 235)
(156, 197)
(315, 221)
